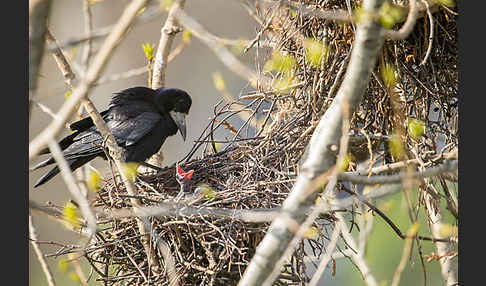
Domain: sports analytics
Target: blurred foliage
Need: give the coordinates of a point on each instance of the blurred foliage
(390, 15)
(280, 62)
(384, 248)
(416, 128)
(448, 3)
(219, 82)
(94, 180)
(186, 36)
(70, 215)
(130, 170)
(315, 52)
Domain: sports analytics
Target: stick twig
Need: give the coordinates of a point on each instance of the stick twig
(431, 32)
(38, 13)
(68, 177)
(220, 50)
(168, 32)
(38, 252)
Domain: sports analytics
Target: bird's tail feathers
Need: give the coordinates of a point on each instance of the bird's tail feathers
(47, 176)
(44, 163)
(73, 164)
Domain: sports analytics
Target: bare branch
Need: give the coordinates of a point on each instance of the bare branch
(358, 258)
(80, 94)
(117, 154)
(165, 251)
(328, 256)
(123, 75)
(88, 27)
(403, 261)
(61, 60)
(448, 265)
(93, 73)
(321, 152)
(220, 50)
(168, 32)
(38, 252)
(149, 14)
(68, 177)
(407, 27)
(38, 13)
(431, 32)
(309, 11)
(448, 166)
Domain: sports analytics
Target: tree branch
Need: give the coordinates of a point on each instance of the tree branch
(448, 166)
(80, 94)
(38, 13)
(70, 181)
(220, 50)
(168, 32)
(38, 252)
(407, 27)
(149, 14)
(321, 152)
(61, 60)
(358, 258)
(93, 73)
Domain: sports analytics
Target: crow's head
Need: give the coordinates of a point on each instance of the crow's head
(177, 103)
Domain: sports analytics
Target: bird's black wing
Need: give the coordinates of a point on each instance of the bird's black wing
(130, 96)
(85, 123)
(127, 132)
(78, 127)
(151, 141)
(131, 131)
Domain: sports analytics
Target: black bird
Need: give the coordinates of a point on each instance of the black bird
(139, 118)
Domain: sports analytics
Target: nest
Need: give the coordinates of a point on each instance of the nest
(256, 167)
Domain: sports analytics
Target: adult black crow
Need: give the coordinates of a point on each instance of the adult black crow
(139, 118)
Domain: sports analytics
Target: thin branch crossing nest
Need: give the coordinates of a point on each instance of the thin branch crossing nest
(257, 167)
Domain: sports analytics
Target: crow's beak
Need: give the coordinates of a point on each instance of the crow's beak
(180, 120)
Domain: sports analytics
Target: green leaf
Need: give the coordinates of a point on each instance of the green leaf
(413, 229)
(448, 3)
(396, 146)
(130, 170)
(186, 36)
(208, 191)
(389, 75)
(280, 63)
(166, 4)
(315, 52)
(218, 81)
(148, 50)
(447, 230)
(312, 233)
(74, 276)
(390, 15)
(283, 83)
(94, 180)
(63, 265)
(360, 15)
(71, 215)
(415, 128)
(344, 162)
(239, 47)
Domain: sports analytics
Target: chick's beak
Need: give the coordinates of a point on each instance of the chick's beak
(180, 120)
